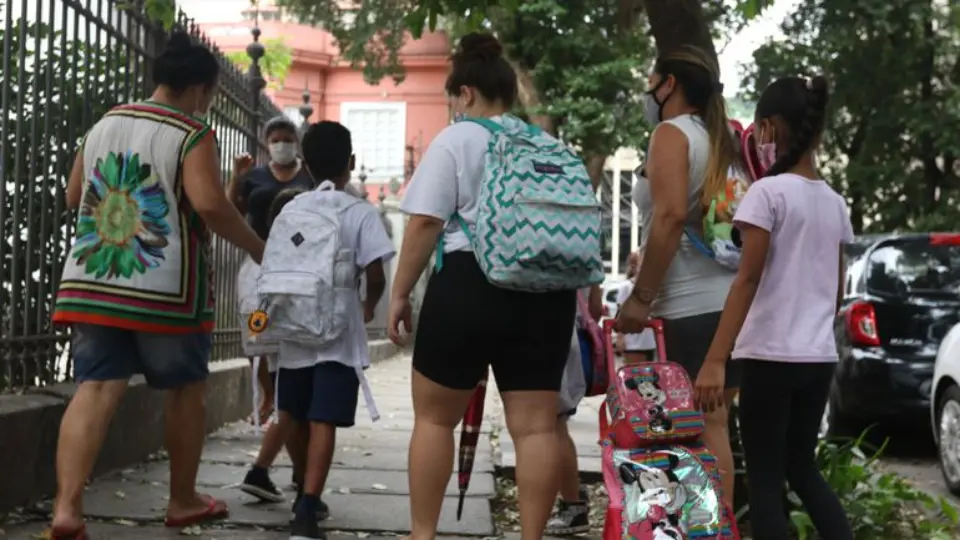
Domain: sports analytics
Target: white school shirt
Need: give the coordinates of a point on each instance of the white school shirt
(447, 181)
(363, 231)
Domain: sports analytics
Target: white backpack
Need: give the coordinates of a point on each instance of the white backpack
(307, 280)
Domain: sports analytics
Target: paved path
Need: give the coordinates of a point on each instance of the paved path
(367, 489)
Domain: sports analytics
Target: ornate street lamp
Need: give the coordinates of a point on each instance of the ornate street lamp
(306, 110)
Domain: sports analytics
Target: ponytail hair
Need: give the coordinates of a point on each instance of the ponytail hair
(801, 105)
(699, 76)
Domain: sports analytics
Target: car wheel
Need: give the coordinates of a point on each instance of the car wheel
(948, 437)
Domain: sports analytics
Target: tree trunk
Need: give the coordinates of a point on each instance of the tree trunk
(679, 22)
(595, 165)
(530, 98)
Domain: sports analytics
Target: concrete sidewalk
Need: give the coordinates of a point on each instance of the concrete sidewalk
(367, 489)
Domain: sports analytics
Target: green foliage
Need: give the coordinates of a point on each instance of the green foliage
(163, 12)
(741, 109)
(879, 504)
(589, 77)
(368, 33)
(893, 139)
(275, 64)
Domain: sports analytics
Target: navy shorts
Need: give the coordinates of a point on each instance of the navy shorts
(167, 361)
(324, 393)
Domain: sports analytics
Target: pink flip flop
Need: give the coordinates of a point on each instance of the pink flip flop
(216, 509)
(76, 534)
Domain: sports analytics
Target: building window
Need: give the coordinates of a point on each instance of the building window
(379, 136)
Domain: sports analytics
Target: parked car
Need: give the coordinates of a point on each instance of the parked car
(945, 408)
(901, 297)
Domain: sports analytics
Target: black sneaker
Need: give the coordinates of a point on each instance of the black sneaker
(569, 518)
(306, 530)
(258, 483)
(323, 511)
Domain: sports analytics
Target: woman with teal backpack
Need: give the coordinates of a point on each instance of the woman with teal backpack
(467, 324)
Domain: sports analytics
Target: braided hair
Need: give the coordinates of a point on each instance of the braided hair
(801, 104)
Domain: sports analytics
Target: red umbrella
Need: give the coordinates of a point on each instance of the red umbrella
(469, 436)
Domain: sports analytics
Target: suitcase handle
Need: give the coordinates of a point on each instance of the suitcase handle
(655, 324)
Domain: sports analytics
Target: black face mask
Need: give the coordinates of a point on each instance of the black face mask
(652, 108)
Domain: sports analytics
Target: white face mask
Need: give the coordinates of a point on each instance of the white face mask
(651, 110)
(283, 153)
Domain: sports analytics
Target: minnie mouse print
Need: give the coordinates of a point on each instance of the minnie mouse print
(648, 388)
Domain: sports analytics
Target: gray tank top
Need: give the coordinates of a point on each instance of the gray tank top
(694, 284)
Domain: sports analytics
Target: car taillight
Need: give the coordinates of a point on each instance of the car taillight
(862, 324)
(945, 239)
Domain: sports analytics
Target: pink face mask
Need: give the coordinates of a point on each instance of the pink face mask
(767, 154)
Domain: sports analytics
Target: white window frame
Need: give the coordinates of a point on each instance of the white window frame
(397, 106)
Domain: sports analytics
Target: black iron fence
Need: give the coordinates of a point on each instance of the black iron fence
(65, 63)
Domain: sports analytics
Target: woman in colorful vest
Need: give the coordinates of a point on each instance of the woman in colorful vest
(690, 154)
(468, 325)
(137, 286)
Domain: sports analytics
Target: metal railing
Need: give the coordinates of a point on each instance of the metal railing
(64, 64)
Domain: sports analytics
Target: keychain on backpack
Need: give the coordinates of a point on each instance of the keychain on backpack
(257, 322)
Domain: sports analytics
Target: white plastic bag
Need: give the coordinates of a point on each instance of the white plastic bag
(574, 385)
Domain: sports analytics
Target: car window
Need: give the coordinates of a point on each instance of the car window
(914, 267)
(612, 296)
(853, 283)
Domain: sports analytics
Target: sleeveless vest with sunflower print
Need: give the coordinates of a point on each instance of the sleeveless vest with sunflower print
(141, 257)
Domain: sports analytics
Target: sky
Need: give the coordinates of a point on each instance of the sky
(740, 49)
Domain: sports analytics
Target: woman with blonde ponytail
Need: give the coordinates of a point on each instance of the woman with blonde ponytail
(691, 152)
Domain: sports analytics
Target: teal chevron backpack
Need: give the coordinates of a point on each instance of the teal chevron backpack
(538, 220)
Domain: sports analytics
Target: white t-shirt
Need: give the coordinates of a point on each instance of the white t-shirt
(447, 181)
(644, 341)
(362, 230)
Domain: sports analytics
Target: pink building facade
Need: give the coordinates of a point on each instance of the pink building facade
(391, 124)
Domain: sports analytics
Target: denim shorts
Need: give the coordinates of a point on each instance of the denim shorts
(325, 393)
(167, 361)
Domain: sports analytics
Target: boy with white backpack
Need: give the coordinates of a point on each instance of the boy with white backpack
(319, 245)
